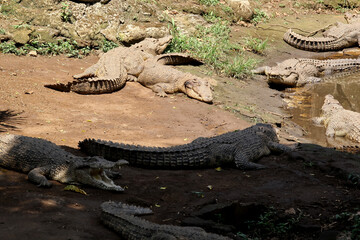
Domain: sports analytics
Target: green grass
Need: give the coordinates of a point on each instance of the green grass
(271, 225)
(259, 16)
(209, 2)
(2, 31)
(352, 223)
(70, 48)
(211, 45)
(255, 45)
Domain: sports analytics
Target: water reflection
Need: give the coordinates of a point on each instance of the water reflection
(305, 103)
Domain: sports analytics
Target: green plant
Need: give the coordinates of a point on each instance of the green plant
(2, 31)
(209, 2)
(27, 26)
(70, 48)
(255, 45)
(211, 44)
(259, 16)
(270, 224)
(107, 45)
(352, 223)
(66, 14)
(6, 9)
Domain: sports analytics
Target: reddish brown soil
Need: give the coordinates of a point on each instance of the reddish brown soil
(135, 115)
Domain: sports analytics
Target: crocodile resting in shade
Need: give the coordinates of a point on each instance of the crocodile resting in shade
(42, 159)
(122, 218)
(237, 148)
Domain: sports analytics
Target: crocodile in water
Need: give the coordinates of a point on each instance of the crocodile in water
(122, 218)
(42, 159)
(296, 72)
(238, 148)
(338, 121)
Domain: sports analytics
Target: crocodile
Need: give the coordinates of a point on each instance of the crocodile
(238, 148)
(296, 72)
(123, 219)
(163, 79)
(337, 37)
(114, 68)
(42, 159)
(338, 121)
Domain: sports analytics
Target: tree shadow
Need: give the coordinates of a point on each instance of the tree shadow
(8, 120)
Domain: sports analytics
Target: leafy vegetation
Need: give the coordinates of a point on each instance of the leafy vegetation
(70, 48)
(209, 2)
(259, 16)
(66, 14)
(352, 223)
(255, 45)
(2, 31)
(270, 224)
(211, 44)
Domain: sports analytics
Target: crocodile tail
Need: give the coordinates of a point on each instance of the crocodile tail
(97, 86)
(310, 43)
(122, 208)
(178, 59)
(177, 157)
(59, 87)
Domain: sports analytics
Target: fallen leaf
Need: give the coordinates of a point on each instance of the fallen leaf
(210, 187)
(74, 189)
(157, 205)
(162, 188)
(218, 169)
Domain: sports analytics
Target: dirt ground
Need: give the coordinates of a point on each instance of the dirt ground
(135, 115)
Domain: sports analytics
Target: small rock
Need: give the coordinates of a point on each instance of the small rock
(33, 53)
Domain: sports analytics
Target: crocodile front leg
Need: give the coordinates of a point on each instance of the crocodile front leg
(37, 176)
(243, 162)
(161, 89)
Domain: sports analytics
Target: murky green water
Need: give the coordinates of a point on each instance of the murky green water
(306, 103)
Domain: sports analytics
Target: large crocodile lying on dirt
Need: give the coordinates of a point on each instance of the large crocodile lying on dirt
(296, 72)
(163, 79)
(338, 121)
(238, 148)
(337, 37)
(140, 63)
(42, 159)
(114, 68)
(122, 218)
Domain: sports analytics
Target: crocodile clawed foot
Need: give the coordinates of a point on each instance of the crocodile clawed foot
(44, 183)
(161, 94)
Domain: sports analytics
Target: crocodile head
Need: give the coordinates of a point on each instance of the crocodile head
(267, 130)
(152, 45)
(331, 106)
(290, 72)
(91, 171)
(198, 88)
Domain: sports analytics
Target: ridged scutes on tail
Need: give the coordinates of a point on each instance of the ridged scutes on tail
(311, 43)
(59, 87)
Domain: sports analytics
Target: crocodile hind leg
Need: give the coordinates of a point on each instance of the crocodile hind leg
(37, 176)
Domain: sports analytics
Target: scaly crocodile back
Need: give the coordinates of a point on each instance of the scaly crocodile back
(200, 153)
(23, 154)
(120, 217)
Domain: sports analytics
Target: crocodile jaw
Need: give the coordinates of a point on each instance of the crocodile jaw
(96, 177)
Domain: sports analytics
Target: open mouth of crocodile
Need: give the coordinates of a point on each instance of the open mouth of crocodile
(98, 178)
